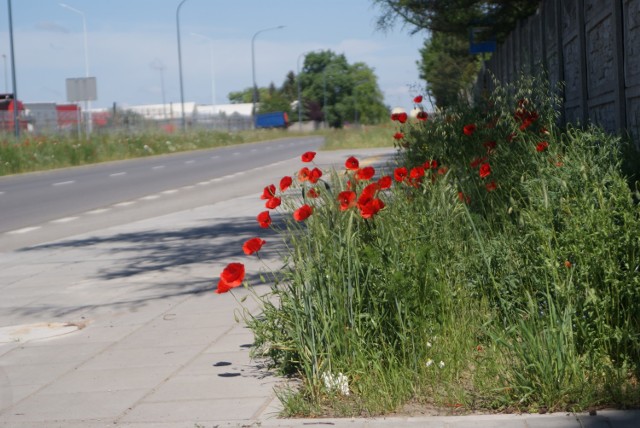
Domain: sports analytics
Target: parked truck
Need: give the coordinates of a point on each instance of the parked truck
(277, 119)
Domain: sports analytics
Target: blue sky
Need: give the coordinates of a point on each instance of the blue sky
(129, 40)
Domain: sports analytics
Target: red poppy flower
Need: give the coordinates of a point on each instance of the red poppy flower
(314, 175)
(485, 170)
(370, 190)
(285, 182)
(491, 186)
(398, 135)
(268, 192)
(253, 245)
(464, 198)
(402, 117)
(313, 193)
(273, 203)
(231, 277)
(542, 146)
(418, 99)
(302, 213)
(366, 173)
(370, 207)
(469, 129)
(384, 182)
(489, 145)
(394, 116)
(416, 172)
(477, 161)
(422, 115)
(264, 219)
(347, 199)
(352, 163)
(400, 174)
(308, 156)
(303, 174)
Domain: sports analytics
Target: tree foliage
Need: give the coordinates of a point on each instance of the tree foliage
(455, 16)
(448, 67)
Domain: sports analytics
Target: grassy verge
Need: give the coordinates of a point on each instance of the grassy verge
(496, 269)
(38, 153)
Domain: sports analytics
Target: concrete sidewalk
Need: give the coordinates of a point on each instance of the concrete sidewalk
(148, 343)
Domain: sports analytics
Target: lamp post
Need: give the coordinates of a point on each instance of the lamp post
(87, 104)
(213, 76)
(16, 103)
(183, 121)
(253, 66)
(157, 64)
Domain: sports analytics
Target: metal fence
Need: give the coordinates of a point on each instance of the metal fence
(593, 46)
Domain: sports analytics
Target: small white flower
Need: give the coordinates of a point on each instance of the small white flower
(429, 362)
(429, 345)
(339, 383)
(441, 364)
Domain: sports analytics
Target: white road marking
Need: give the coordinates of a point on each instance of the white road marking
(117, 174)
(235, 154)
(64, 220)
(215, 180)
(215, 157)
(23, 230)
(187, 187)
(124, 204)
(149, 198)
(204, 183)
(158, 167)
(169, 192)
(63, 183)
(190, 161)
(98, 211)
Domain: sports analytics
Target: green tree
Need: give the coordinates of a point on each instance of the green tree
(448, 67)
(335, 91)
(274, 100)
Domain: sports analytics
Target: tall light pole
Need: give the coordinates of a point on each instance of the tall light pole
(16, 103)
(6, 81)
(212, 65)
(253, 67)
(157, 64)
(183, 121)
(87, 104)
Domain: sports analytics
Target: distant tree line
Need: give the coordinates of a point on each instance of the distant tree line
(331, 90)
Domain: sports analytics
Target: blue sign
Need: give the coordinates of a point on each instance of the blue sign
(481, 41)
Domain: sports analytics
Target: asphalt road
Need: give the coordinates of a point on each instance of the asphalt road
(38, 207)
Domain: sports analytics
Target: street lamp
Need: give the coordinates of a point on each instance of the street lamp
(183, 122)
(213, 76)
(16, 103)
(87, 104)
(157, 64)
(253, 65)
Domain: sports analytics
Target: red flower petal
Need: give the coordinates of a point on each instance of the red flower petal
(418, 99)
(365, 173)
(400, 174)
(347, 199)
(485, 170)
(469, 129)
(253, 245)
(422, 115)
(302, 213)
(308, 156)
(352, 164)
(398, 135)
(542, 146)
(268, 192)
(231, 277)
(285, 182)
(264, 219)
(402, 117)
(273, 203)
(385, 182)
(314, 175)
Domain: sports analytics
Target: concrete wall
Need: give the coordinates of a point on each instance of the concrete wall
(593, 46)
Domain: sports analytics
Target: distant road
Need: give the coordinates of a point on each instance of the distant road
(27, 201)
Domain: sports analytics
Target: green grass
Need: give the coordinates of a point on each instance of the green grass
(38, 153)
(524, 283)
